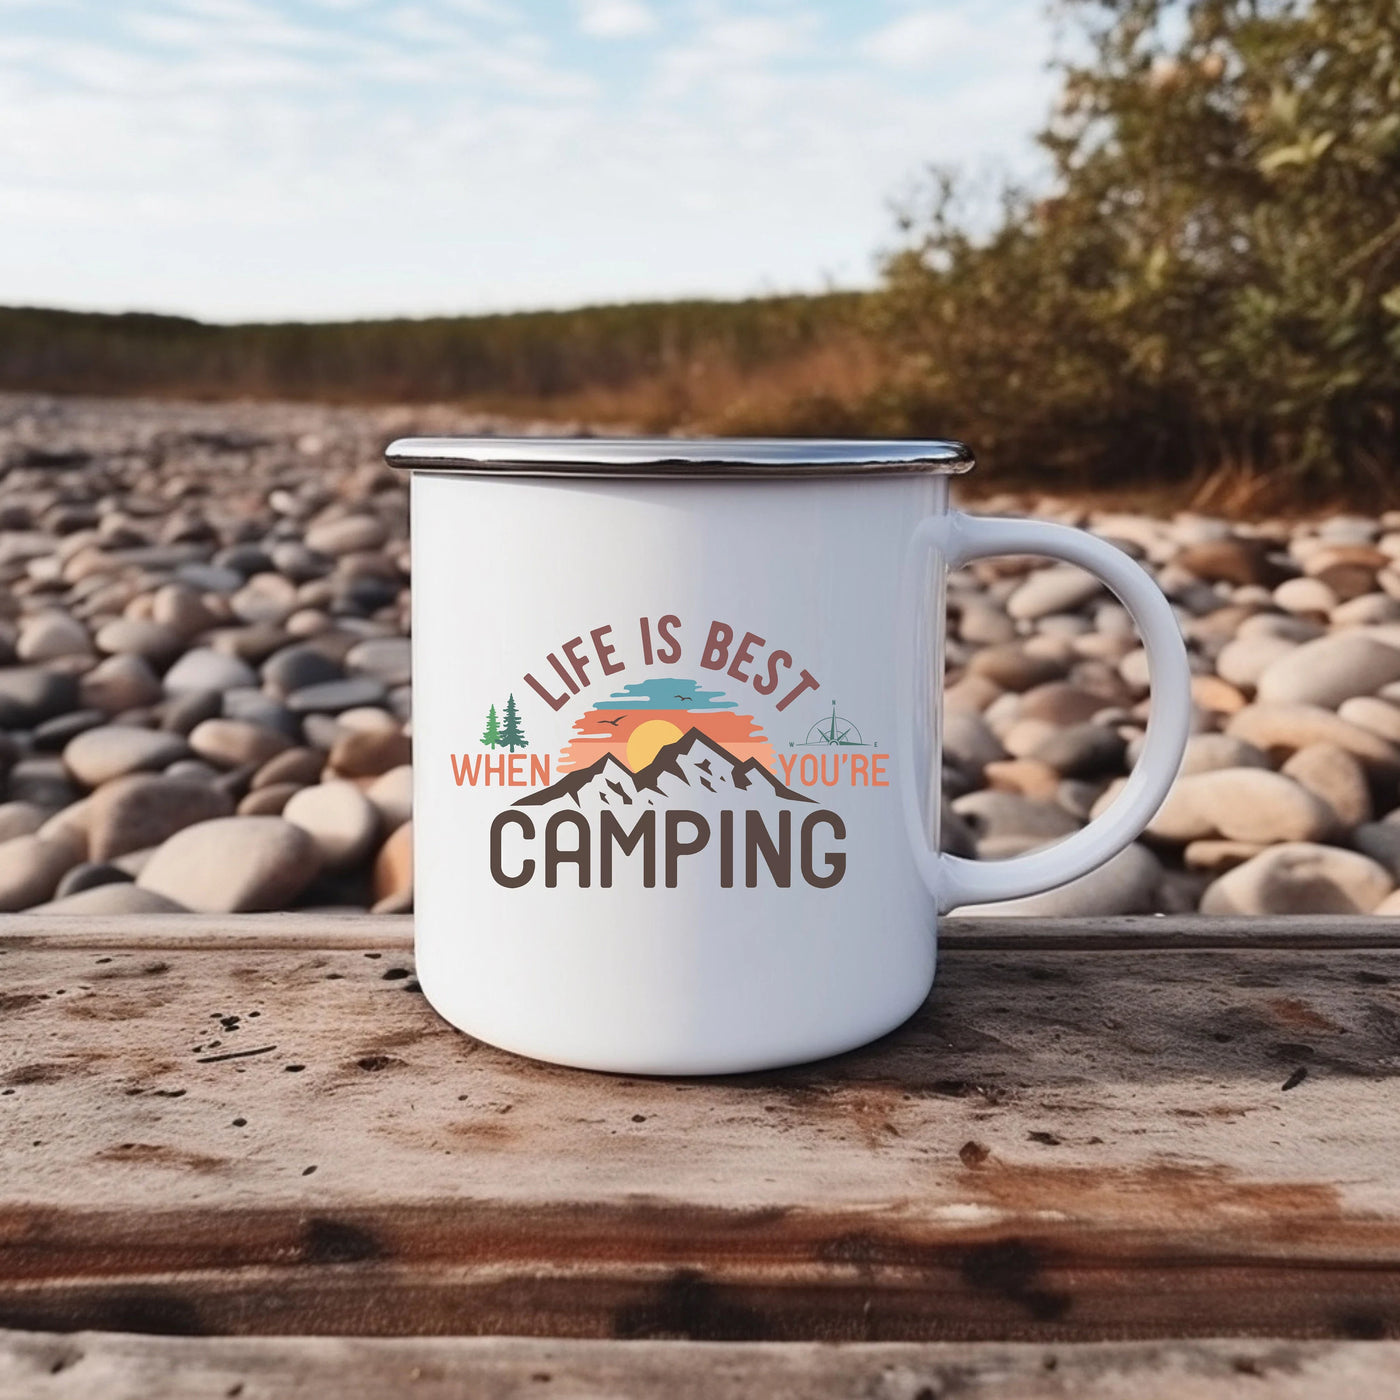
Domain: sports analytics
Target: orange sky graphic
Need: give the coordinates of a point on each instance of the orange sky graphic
(738, 733)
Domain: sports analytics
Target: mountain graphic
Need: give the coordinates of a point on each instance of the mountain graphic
(691, 765)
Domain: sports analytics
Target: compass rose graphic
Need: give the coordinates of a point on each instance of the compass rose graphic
(835, 732)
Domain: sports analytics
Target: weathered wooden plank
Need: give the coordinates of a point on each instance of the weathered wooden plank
(282, 1140)
(36, 1366)
(395, 931)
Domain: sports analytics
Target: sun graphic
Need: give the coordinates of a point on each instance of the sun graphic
(648, 739)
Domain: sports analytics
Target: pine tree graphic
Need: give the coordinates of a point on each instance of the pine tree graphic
(492, 737)
(511, 736)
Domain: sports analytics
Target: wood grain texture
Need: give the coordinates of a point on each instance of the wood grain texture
(280, 1137)
(80, 1366)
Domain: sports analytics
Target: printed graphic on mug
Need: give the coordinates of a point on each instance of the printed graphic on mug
(667, 781)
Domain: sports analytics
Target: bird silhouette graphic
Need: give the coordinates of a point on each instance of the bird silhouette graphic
(685, 697)
(613, 722)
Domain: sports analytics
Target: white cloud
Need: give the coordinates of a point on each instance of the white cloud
(615, 19)
(925, 38)
(244, 159)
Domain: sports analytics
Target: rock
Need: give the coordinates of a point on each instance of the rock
(1002, 814)
(209, 578)
(42, 781)
(392, 796)
(971, 693)
(180, 608)
(1306, 596)
(233, 865)
(368, 717)
(133, 813)
(268, 801)
(181, 713)
(1059, 588)
(1300, 878)
(1241, 804)
(329, 697)
(89, 876)
(1011, 667)
(1124, 884)
(1060, 702)
(966, 739)
(232, 743)
(1330, 773)
(296, 667)
(388, 659)
(979, 623)
(1081, 751)
(339, 818)
(207, 669)
(1380, 841)
(1024, 737)
(120, 683)
(29, 695)
(393, 872)
(1026, 776)
(1216, 695)
(1330, 670)
(1216, 857)
(31, 867)
(1283, 729)
(1379, 716)
(53, 735)
(113, 750)
(113, 899)
(301, 766)
(50, 635)
(348, 535)
(1241, 662)
(1229, 561)
(20, 819)
(152, 640)
(1369, 610)
(367, 753)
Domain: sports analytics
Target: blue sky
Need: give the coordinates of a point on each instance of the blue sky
(242, 159)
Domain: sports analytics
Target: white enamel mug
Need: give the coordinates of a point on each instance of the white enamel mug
(677, 741)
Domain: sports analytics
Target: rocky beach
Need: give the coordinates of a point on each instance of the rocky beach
(206, 705)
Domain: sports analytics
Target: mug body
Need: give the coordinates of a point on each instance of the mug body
(660, 819)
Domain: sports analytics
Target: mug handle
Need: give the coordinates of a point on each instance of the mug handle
(954, 880)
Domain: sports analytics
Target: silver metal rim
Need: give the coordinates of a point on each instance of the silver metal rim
(672, 459)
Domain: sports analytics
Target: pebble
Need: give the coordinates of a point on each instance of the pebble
(967, 739)
(348, 535)
(339, 818)
(1011, 667)
(1330, 773)
(89, 876)
(20, 819)
(29, 695)
(206, 669)
(296, 667)
(31, 867)
(1329, 670)
(1241, 804)
(113, 899)
(232, 743)
(142, 810)
(1283, 729)
(1379, 716)
(268, 801)
(1300, 878)
(1081, 751)
(153, 640)
(329, 697)
(1052, 590)
(1207, 752)
(233, 865)
(392, 796)
(393, 873)
(368, 753)
(120, 683)
(992, 815)
(113, 750)
(51, 635)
